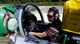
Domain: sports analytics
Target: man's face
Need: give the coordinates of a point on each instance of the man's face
(50, 16)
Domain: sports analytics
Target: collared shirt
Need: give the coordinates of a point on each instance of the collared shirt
(54, 30)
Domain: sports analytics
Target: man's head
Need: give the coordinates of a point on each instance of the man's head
(53, 14)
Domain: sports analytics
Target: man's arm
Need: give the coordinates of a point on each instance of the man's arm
(51, 32)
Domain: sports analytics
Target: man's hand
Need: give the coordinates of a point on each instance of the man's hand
(41, 35)
(8, 35)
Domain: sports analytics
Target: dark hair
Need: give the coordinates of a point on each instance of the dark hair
(56, 12)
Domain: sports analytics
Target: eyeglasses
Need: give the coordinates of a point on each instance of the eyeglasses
(49, 16)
